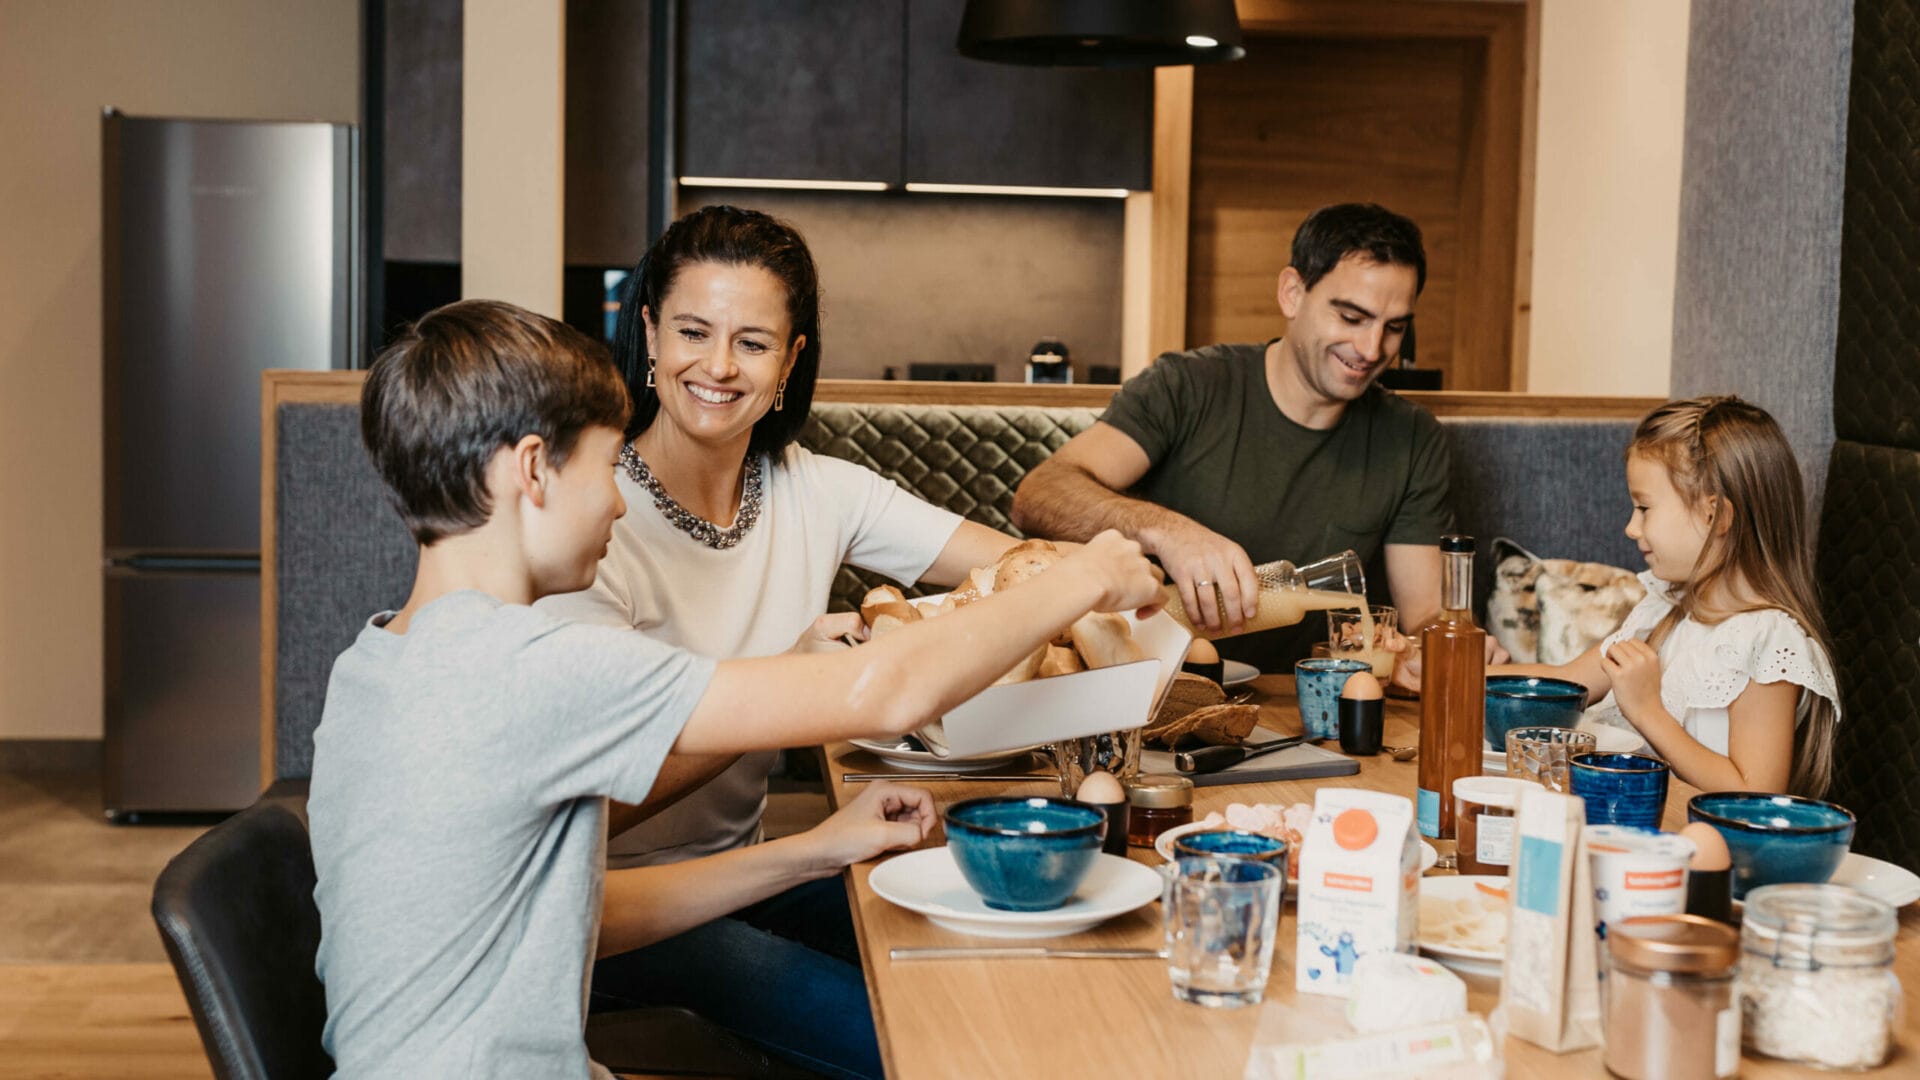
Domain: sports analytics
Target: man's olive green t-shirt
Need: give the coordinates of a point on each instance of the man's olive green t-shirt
(1224, 455)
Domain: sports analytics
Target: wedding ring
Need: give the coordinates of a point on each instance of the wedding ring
(1204, 584)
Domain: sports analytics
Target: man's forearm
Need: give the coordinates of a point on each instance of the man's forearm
(680, 775)
(1062, 502)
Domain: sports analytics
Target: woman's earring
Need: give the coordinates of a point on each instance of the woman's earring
(649, 371)
(780, 395)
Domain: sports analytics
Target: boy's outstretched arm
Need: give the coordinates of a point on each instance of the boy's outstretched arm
(917, 673)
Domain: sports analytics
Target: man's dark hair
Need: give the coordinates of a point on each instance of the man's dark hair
(729, 236)
(1374, 232)
(466, 380)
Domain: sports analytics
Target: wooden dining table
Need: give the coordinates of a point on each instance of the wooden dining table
(1059, 1018)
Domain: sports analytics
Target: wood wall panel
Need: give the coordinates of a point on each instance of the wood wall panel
(1421, 112)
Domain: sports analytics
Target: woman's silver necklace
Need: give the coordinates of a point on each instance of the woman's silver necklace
(706, 532)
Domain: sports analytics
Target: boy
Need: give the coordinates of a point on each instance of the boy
(469, 743)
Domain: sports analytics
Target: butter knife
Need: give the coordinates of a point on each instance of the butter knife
(1209, 759)
(1023, 953)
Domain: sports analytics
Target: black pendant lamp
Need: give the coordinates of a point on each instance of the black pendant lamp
(1101, 33)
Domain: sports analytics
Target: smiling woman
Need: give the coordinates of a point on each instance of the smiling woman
(730, 549)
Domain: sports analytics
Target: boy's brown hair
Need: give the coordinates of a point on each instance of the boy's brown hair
(466, 380)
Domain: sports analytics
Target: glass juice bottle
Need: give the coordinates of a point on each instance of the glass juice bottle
(1288, 592)
(1453, 691)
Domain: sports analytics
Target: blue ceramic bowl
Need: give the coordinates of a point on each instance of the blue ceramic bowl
(1517, 701)
(1233, 844)
(1024, 853)
(1317, 683)
(1620, 789)
(1775, 839)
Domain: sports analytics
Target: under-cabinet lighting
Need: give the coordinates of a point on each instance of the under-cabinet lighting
(789, 185)
(1010, 189)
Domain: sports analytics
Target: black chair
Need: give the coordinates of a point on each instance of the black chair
(236, 912)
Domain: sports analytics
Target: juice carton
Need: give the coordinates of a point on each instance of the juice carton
(1359, 886)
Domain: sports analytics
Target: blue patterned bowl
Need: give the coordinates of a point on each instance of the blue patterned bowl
(1233, 844)
(1024, 853)
(1517, 701)
(1620, 789)
(1776, 839)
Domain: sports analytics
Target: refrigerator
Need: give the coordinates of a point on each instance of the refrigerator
(228, 247)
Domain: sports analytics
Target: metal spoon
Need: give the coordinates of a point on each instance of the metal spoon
(1401, 753)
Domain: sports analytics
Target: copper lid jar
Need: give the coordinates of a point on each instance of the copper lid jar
(1157, 802)
(1670, 1009)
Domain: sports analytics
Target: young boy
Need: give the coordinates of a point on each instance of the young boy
(469, 743)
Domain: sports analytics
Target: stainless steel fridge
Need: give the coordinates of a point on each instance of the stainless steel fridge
(229, 247)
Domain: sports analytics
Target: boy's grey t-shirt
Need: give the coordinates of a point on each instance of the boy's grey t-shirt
(458, 803)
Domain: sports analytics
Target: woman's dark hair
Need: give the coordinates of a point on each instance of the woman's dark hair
(732, 237)
(466, 380)
(1332, 233)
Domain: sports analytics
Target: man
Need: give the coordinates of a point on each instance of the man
(1232, 455)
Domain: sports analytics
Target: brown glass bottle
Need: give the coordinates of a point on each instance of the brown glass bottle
(1453, 691)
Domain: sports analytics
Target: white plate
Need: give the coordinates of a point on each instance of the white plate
(929, 882)
(1235, 673)
(924, 761)
(1895, 885)
(1467, 961)
(1164, 845)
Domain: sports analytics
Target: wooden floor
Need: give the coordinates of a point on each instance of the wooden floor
(85, 989)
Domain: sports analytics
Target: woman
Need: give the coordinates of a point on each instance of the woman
(729, 549)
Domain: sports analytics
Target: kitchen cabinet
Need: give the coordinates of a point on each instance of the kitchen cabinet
(420, 141)
(792, 89)
(608, 127)
(874, 90)
(972, 122)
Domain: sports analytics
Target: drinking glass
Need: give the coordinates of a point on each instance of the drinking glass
(1541, 754)
(1346, 638)
(1221, 918)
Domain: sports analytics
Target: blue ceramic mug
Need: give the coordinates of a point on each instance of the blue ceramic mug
(1620, 789)
(1317, 683)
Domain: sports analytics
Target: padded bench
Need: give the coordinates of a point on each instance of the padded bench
(339, 552)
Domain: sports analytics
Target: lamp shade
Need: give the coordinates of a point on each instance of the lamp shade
(1101, 33)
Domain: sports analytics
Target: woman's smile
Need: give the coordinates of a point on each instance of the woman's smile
(712, 395)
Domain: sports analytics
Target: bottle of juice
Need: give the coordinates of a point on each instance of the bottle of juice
(1453, 691)
(1288, 592)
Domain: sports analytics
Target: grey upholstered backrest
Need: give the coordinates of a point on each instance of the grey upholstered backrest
(341, 553)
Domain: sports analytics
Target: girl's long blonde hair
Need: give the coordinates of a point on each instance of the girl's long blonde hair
(1732, 452)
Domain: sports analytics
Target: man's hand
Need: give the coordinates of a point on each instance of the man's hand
(827, 631)
(1634, 667)
(1214, 575)
(884, 817)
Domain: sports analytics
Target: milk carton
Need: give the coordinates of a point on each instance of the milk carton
(1359, 886)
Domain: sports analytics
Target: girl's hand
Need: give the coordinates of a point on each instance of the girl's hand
(884, 817)
(827, 631)
(1634, 669)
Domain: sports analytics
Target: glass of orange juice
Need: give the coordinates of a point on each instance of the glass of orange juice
(1348, 638)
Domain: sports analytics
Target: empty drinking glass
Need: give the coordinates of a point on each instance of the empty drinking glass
(1540, 754)
(1221, 918)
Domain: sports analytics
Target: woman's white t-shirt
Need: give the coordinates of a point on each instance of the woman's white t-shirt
(753, 599)
(1704, 668)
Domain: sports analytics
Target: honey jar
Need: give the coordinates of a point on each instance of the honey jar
(1483, 819)
(1157, 802)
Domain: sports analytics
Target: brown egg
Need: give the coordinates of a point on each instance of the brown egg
(1202, 652)
(1709, 847)
(1102, 788)
(1362, 686)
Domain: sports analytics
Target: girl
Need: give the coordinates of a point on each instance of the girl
(1723, 668)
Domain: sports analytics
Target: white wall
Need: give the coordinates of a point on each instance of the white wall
(1606, 212)
(61, 62)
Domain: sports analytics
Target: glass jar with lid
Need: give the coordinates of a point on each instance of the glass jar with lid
(1816, 976)
(1670, 1011)
(1157, 802)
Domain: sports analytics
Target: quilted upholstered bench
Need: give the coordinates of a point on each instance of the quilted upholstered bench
(336, 551)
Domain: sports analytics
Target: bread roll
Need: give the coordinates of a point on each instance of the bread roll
(1025, 669)
(898, 609)
(1018, 565)
(1103, 639)
(1217, 725)
(1061, 661)
(885, 594)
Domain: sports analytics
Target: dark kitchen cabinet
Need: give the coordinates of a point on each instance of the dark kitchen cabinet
(419, 152)
(792, 89)
(608, 128)
(972, 122)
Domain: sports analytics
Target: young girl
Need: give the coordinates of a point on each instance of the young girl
(1723, 668)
